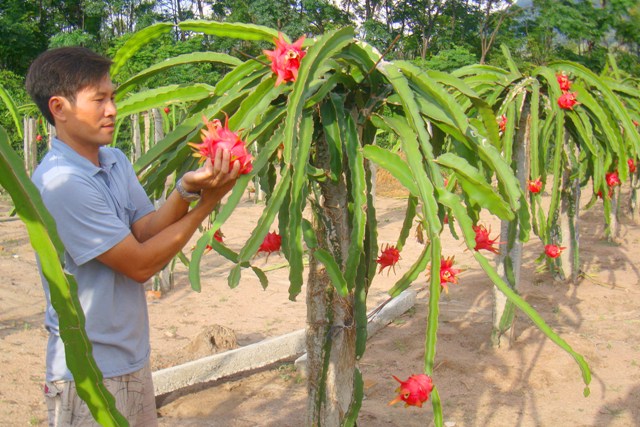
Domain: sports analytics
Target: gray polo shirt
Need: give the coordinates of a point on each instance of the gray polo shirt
(94, 208)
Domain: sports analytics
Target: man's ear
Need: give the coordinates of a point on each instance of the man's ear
(57, 107)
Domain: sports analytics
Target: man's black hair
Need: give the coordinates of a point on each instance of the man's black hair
(64, 72)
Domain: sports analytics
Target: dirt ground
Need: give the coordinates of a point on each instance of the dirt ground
(533, 383)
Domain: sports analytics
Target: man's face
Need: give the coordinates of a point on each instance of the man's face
(92, 116)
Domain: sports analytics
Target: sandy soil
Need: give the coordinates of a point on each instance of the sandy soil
(534, 383)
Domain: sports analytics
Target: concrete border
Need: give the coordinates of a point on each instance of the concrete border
(383, 315)
(265, 352)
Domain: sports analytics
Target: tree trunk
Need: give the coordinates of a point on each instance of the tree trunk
(613, 230)
(425, 47)
(200, 9)
(503, 310)
(564, 267)
(331, 331)
(487, 41)
(574, 252)
(509, 261)
(569, 209)
(330, 350)
(368, 10)
(258, 194)
(633, 195)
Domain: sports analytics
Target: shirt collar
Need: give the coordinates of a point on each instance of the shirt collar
(106, 157)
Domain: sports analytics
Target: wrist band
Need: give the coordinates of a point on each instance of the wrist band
(186, 196)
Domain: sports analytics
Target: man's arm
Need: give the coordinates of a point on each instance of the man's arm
(158, 237)
(211, 175)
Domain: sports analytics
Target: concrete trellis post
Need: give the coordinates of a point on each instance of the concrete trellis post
(30, 144)
(51, 131)
(146, 120)
(164, 279)
(510, 256)
(158, 132)
(135, 137)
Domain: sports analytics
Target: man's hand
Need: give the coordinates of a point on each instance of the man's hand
(217, 175)
(213, 180)
(157, 237)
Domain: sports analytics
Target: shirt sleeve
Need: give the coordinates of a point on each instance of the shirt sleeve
(138, 197)
(87, 226)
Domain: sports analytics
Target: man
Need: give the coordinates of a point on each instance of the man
(114, 239)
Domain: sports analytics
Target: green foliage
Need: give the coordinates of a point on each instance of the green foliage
(74, 38)
(378, 35)
(448, 59)
(578, 31)
(167, 47)
(456, 26)
(595, 59)
(22, 36)
(10, 105)
(290, 17)
(321, 16)
(628, 62)
(545, 30)
(15, 95)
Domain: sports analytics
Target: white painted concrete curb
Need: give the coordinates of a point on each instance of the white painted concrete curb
(394, 308)
(262, 353)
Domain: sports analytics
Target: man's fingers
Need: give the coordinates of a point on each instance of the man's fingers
(235, 171)
(226, 157)
(206, 168)
(221, 162)
(217, 161)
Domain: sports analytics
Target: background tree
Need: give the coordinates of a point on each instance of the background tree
(625, 20)
(579, 31)
(549, 29)
(24, 33)
(494, 13)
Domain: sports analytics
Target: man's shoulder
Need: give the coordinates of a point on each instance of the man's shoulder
(55, 166)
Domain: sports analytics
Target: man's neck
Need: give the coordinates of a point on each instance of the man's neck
(89, 152)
